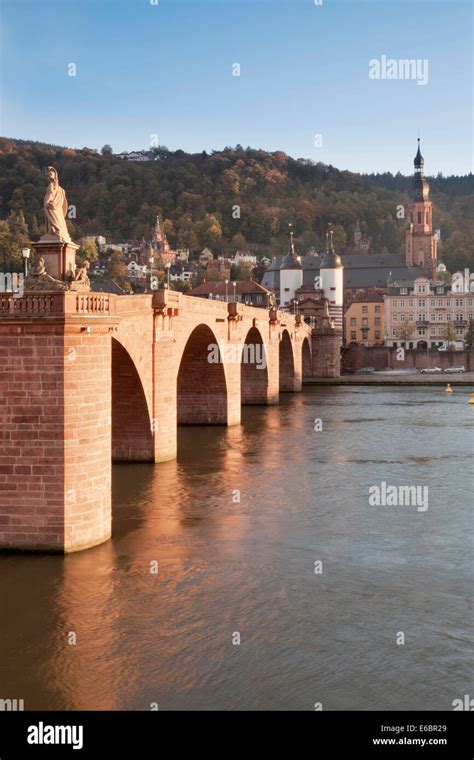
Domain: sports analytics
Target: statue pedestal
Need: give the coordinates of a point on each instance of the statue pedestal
(59, 257)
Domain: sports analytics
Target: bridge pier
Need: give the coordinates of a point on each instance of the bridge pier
(164, 421)
(55, 469)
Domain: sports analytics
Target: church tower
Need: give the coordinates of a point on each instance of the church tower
(421, 242)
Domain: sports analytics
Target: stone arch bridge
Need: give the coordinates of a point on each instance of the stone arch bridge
(91, 378)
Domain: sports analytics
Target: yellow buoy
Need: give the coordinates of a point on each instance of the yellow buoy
(448, 388)
(471, 400)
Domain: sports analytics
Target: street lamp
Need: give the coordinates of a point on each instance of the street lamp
(26, 255)
(226, 289)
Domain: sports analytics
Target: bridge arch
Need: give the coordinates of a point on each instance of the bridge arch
(306, 358)
(201, 381)
(254, 369)
(286, 363)
(132, 436)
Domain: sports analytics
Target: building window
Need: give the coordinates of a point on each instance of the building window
(419, 217)
(395, 317)
(433, 317)
(395, 304)
(411, 317)
(365, 309)
(353, 335)
(377, 320)
(402, 317)
(377, 309)
(403, 291)
(353, 321)
(440, 316)
(440, 290)
(458, 317)
(432, 302)
(365, 322)
(448, 303)
(421, 303)
(458, 302)
(421, 317)
(448, 317)
(440, 330)
(411, 303)
(259, 298)
(377, 335)
(433, 330)
(421, 331)
(402, 304)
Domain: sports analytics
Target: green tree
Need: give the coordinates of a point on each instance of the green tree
(210, 232)
(449, 333)
(88, 250)
(116, 270)
(242, 271)
(35, 230)
(339, 238)
(18, 225)
(469, 337)
(239, 242)
(405, 331)
(10, 250)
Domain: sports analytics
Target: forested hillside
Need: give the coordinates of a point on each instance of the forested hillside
(199, 198)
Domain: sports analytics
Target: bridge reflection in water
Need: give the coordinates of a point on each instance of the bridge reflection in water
(248, 566)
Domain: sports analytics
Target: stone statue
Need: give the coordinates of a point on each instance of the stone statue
(55, 208)
(81, 272)
(39, 279)
(39, 267)
(80, 279)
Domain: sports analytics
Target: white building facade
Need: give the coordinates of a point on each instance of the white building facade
(418, 314)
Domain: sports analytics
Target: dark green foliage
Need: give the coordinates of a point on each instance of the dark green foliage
(196, 196)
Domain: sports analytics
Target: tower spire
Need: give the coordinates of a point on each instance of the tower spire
(329, 240)
(292, 242)
(419, 161)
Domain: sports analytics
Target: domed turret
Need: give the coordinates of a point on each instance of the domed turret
(291, 260)
(331, 260)
(332, 273)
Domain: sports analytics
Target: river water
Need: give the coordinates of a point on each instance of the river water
(230, 568)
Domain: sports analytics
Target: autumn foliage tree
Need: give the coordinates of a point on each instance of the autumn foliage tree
(219, 199)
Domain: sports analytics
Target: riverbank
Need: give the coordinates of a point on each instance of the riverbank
(386, 378)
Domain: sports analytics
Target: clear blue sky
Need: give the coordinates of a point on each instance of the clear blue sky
(166, 69)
